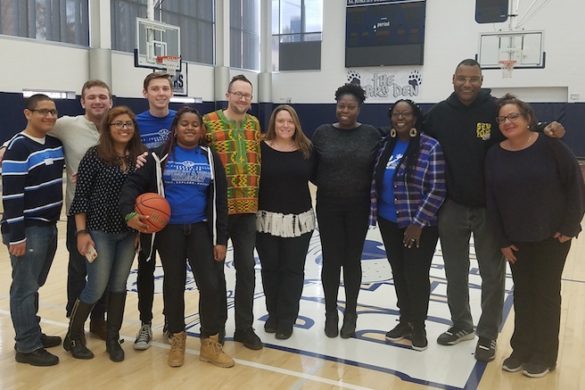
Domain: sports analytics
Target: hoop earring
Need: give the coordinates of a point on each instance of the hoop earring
(413, 133)
(393, 133)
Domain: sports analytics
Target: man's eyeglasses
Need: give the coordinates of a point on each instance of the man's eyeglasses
(121, 125)
(45, 111)
(511, 117)
(239, 95)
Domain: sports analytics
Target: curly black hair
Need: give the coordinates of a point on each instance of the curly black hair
(351, 89)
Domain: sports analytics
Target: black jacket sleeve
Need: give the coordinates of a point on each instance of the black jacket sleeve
(221, 224)
(142, 180)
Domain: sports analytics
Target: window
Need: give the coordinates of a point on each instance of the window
(51, 20)
(195, 18)
(245, 34)
(296, 34)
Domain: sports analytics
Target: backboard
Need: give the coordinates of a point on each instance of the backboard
(524, 47)
(155, 40)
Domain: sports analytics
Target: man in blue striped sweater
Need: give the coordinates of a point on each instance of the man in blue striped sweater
(32, 172)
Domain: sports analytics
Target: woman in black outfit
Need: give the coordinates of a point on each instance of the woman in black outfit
(285, 220)
(536, 198)
(345, 152)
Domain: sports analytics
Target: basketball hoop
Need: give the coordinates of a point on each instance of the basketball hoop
(507, 68)
(171, 63)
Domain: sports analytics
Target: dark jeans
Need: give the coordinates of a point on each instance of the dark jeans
(283, 274)
(456, 224)
(242, 232)
(76, 274)
(410, 269)
(537, 300)
(176, 245)
(145, 278)
(343, 225)
(29, 273)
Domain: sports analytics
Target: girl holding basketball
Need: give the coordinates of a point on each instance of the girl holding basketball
(191, 178)
(102, 235)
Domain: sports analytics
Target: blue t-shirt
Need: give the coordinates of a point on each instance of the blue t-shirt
(187, 176)
(386, 207)
(154, 131)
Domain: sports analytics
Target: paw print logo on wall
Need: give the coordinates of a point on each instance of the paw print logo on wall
(415, 79)
(354, 77)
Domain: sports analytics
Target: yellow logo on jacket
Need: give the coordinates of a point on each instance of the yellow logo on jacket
(483, 130)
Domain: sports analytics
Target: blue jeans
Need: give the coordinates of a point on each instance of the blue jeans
(112, 265)
(456, 224)
(29, 273)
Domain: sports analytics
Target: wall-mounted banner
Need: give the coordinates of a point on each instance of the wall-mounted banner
(387, 86)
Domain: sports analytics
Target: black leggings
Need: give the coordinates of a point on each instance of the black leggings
(343, 225)
(176, 245)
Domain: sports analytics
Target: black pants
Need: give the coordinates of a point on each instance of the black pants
(343, 225)
(410, 269)
(176, 245)
(283, 274)
(537, 300)
(76, 274)
(145, 278)
(242, 232)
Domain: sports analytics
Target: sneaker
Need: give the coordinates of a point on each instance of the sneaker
(399, 332)
(419, 339)
(536, 370)
(41, 358)
(512, 364)
(485, 351)
(143, 338)
(454, 336)
(212, 352)
(249, 339)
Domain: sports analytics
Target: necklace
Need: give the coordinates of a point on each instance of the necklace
(512, 148)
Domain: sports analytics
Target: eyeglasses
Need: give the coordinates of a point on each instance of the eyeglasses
(404, 114)
(121, 125)
(45, 111)
(239, 95)
(511, 117)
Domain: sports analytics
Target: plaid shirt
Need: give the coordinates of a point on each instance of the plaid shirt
(417, 199)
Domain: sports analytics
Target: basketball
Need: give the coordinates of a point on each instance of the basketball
(156, 208)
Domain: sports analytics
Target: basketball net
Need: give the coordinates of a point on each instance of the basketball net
(507, 67)
(171, 63)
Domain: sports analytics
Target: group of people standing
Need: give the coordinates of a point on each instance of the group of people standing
(467, 167)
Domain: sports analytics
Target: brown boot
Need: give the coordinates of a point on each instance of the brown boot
(177, 352)
(212, 352)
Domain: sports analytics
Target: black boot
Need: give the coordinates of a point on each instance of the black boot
(348, 327)
(75, 338)
(116, 304)
(331, 324)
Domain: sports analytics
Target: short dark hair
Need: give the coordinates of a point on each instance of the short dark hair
(154, 76)
(468, 62)
(351, 89)
(239, 77)
(525, 110)
(31, 102)
(95, 83)
(169, 145)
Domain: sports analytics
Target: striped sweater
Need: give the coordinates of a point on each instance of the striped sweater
(238, 147)
(32, 183)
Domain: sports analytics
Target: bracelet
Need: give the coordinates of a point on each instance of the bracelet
(129, 216)
(81, 231)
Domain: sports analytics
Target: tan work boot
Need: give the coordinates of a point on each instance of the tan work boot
(212, 352)
(177, 352)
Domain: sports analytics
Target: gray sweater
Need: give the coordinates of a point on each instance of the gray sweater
(345, 160)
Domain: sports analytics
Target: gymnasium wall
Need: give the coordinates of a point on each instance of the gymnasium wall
(452, 34)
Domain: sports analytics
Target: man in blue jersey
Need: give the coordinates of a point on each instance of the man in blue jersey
(32, 179)
(154, 126)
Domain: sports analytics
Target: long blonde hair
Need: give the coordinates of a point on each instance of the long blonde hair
(300, 139)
